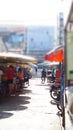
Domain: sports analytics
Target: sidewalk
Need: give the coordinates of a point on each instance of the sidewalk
(30, 110)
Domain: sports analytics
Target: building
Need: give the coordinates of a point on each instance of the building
(3, 47)
(40, 40)
(13, 37)
(32, 40)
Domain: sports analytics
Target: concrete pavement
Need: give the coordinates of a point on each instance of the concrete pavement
(30, 109)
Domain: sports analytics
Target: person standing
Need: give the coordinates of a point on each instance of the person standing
(10, 76)
(36, 70)
(1, 73)
(20, 75)
(26, 76)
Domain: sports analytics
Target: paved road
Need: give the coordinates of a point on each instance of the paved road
(29, 110)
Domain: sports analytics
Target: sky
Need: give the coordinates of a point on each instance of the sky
(32, 12)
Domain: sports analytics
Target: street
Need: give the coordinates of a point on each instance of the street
(30, 109)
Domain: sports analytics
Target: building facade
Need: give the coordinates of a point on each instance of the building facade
(40, 40)
(32, 40)
(13, 37)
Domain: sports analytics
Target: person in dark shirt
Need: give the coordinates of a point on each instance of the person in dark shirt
(26, 76)
(43, 75)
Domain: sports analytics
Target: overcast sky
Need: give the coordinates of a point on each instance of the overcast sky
(32, 12)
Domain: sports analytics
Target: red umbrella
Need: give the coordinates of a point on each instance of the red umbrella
(57, 54)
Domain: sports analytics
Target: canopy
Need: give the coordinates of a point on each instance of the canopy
(53, 63)
(48, 63)
(57, 54)
(16, 58)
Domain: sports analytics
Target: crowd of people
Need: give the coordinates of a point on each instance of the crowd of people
(13, 79)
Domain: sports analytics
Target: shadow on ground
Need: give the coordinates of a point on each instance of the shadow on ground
(15, 102)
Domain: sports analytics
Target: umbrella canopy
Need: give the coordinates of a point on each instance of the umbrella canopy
(53, 63)
(17, 58)
(57, 54)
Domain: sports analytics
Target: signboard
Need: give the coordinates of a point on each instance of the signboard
(14, 37)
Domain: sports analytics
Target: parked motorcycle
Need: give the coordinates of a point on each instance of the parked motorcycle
(54, 91)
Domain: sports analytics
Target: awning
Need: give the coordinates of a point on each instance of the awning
(16, 58)
(57, 54)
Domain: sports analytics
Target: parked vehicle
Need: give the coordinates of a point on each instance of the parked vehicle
(49, 75)
(54, 90)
